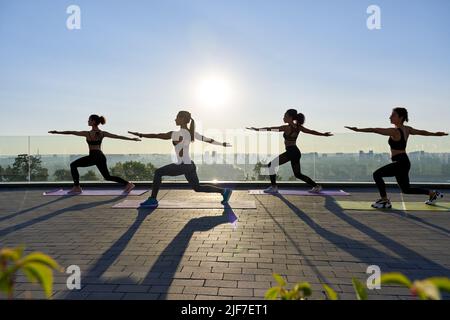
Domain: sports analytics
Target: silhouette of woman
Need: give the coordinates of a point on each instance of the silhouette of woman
(400, 166)
(294, 125)
(185, 166)
(94, 139)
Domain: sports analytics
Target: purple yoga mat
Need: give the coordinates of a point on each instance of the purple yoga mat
(173, 204)
(233, 219)
(304, 192)
(96, 192)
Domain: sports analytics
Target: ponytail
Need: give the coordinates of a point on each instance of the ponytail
(192, 129)
(402, 112)
(97, 119)
(299, 118)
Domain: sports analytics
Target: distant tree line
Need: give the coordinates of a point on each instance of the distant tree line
(29, 168)
(24, 168)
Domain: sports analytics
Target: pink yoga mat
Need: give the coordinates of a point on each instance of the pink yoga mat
(173, 204)
(303, 192)
(96, 192)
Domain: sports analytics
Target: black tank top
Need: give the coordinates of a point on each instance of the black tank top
(97, 142)
(292, 136)
(398, 145)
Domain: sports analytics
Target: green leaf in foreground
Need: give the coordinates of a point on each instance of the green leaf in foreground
(360, 291)
(279, 279)
(395, 278)
(272, 293)
(331, 294)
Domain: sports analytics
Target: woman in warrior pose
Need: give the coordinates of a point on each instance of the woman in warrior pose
(96, 157)
(294, 125)
(400, 166)
(181, 140)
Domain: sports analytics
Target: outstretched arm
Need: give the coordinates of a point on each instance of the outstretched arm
(316, 133)
(75, 133)
(426, 133)
(198, 136)
(278, 128)
(382, 131)
(115, 136)
(163, 136)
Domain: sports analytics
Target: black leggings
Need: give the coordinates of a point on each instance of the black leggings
(95, 158)
(293, 155)
(189, 171)
(399, 168)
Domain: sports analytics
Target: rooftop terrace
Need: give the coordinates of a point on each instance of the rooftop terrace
(201, 254)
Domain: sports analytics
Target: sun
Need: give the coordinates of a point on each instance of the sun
(213, 91)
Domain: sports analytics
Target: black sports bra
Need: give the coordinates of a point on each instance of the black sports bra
(398, 145)
(292, 136)
(94, 142)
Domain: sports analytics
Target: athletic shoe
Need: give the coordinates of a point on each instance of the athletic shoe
(271, 189)
(316, 189)
(226, 195)
(382, 204)
(436, 195)
(149, 203)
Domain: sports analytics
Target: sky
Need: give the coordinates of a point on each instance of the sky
(232, 63)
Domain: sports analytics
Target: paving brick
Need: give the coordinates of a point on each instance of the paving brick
(207, 275)
(100, 287)
(140, 296)
(106, 296)
(221, 283)
(254, 284)
(121, 258)
(201, 290)
(131, 288)
(236, 292)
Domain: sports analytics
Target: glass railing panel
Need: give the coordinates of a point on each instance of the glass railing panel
(342, 158)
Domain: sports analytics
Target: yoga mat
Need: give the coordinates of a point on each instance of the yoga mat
(173, 204)
(96, 192)
(303, 192)
(402, 206)
(232, 218)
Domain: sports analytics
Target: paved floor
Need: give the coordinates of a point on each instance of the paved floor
(199, 254)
